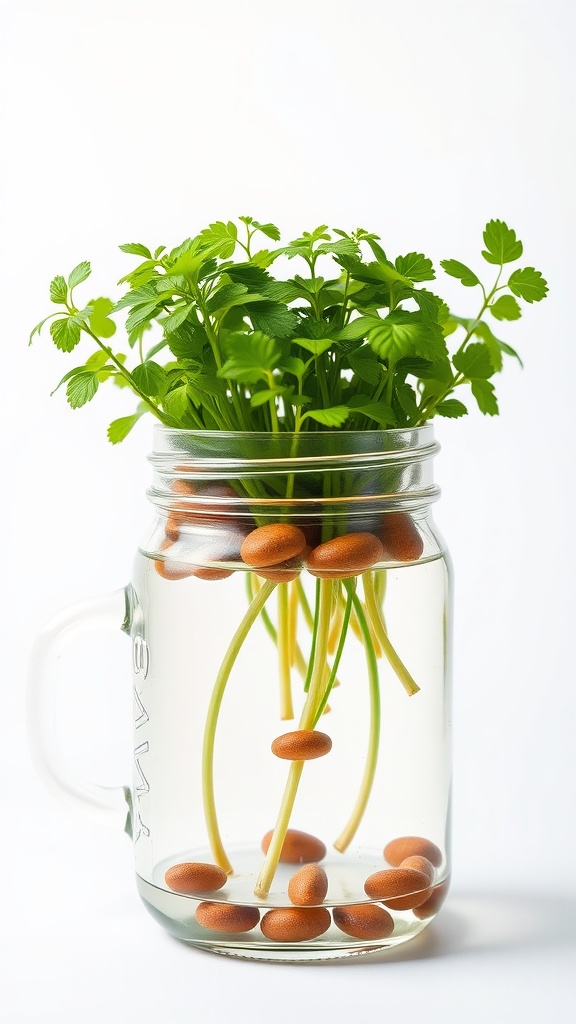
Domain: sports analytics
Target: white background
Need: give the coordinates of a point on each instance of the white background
(417, 120)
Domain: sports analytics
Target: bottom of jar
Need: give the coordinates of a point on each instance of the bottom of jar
(177, 914)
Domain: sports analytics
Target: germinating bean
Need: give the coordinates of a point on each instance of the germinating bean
(364, 921)
(226, 917)
(268, 545)
(194, 877)
(308, 886)
(399, 888)
(292, 924)
(434, 902)
(298, 847)
(301, 745)
(345, 556)
(420, 864)
(412, 846)
(400, 537)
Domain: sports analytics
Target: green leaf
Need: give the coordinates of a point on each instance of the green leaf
(358, 328)
(505, 308)
(314, 345)
(100, 322)
(82, 388)
(333, 417)
(293, 365)
(66, 334)
(342, 247)
(228, 295)
(177, 318)
(430, 305)
(501, 243)
(221, 238)
(136, 297)
(177, 403)
(493, 344)
(403, 333)
(255, 278)
(79, 274)
(141, 274)
(58, 290)
(474, 361)
(366, 365)
(142, 314)
(528, 284)
(136, 249)
(452, 408)
(380, 272)
(459, 270)
(119, 429)
(270, 230)
(97, 360)
(261, 397)
(251, 357)
(415, 266)
(378, 411)
(150, 378)
(483, 392)
(272, 318)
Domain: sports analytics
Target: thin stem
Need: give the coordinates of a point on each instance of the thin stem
(315, 626)
(336, 663)
(351, 827)
(238, 639)
(128, 377)
(293, 622)
(286, 706)
(395, 661)
(307, 717)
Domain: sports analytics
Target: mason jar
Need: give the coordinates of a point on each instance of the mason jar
(290, 622)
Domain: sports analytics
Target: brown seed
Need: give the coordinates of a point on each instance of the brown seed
(400, 537)
(364, 921)
(183, 487)
(279, 575)
(172, 570)
(226, 917)
(308, 886)
(194, 877)
(298, 847)
(435, 901)
(291, 924)
(399, 888)
(172, 526)
(345, 556)
(212, 574)
(268, 545)
(420, 864)
(301, 745)
(412, 846)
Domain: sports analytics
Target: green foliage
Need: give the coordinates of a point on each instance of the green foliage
(528, 284)
(501, 243)
(352, 339)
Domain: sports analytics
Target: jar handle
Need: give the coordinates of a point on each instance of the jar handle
(109, 804)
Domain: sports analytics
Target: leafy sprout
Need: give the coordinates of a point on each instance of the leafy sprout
(343, 337)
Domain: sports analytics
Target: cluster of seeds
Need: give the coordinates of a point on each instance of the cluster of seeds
(407, 885)
(278, 551)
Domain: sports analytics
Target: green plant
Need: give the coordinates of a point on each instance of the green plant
(355, 342)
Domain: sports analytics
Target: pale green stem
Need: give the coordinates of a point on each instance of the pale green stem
(286, 707)
(238, 639)
(339, 650)
(314, 696)
(349, 830)
(395, 661)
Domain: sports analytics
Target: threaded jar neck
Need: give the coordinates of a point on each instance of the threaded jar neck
(266, 475)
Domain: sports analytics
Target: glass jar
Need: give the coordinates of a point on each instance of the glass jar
(290, 621)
